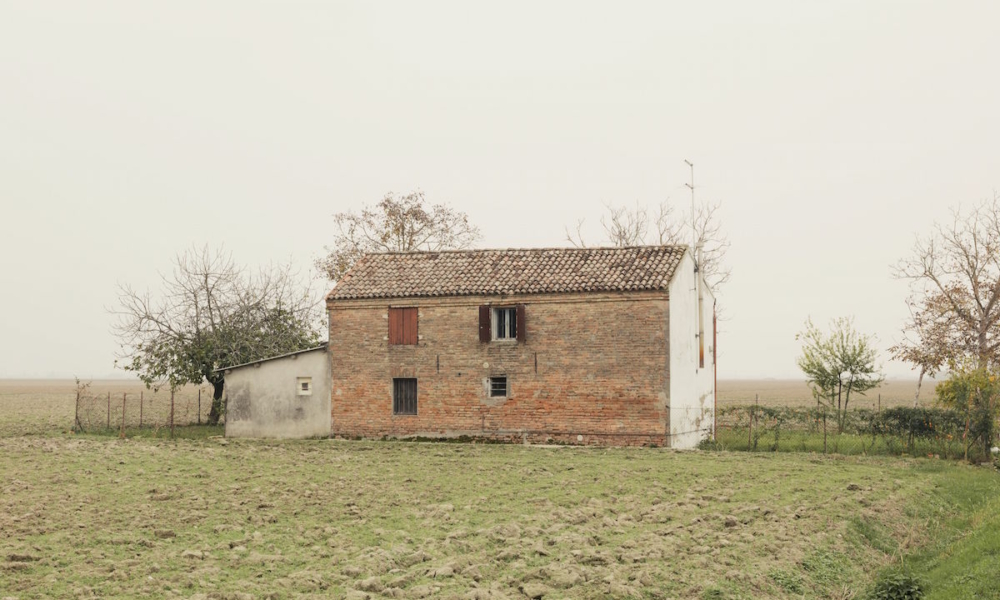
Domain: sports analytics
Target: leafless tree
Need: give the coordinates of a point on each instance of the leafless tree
(624, 226)
(396, 224)
(210, 313)
(954, 275)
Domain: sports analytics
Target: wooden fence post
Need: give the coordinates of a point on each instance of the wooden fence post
(76, 418)
(171, 412)
(824, 431)
(199, 406)
(121, 434)
(109, 410)
(140, 410)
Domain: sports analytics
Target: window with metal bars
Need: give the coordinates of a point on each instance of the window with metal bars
(404, 396)
(498, 387)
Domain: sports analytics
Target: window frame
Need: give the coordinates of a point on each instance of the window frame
(303, 391)
(510, 319)
(399, 404)
(494, 379)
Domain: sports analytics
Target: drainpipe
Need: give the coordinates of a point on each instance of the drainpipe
(715, 368)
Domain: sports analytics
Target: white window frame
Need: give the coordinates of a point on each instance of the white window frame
(304, 391)
(509, 334)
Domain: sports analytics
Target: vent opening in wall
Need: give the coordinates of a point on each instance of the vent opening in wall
(304, 385)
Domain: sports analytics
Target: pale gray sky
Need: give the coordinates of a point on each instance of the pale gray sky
(831, 132)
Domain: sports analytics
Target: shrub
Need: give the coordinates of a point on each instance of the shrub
(897, 585)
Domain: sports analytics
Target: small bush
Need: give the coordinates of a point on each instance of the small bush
(897, 586)
(709, 444)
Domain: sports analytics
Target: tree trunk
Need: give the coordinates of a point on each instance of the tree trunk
(217, 405)
(920, 381)
(847, 400)
(840, 420)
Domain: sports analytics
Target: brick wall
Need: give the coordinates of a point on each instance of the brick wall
(591, 365)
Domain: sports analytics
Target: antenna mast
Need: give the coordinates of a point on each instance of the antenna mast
(694, 231)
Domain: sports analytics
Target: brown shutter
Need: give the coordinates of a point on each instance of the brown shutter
(395, 327)
(520, 325)
(403, 326)
(410, 326)
(484, 324)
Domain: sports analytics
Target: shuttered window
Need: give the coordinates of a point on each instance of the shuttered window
(502, 323)
(404, 396)
(402, 326)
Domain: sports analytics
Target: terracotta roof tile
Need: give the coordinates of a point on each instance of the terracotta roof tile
(495, 272)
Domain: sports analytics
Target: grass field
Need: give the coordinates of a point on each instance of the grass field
(94, 516)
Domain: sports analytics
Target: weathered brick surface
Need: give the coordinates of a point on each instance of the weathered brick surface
(592, 365)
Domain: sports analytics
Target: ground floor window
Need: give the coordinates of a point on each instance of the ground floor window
(498, 386)
(404, 396)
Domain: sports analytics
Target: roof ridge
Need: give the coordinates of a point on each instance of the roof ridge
(512, 249)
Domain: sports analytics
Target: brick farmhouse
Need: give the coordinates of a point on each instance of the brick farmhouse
(584, 346)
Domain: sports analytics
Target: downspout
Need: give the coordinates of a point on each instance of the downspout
(715, 369)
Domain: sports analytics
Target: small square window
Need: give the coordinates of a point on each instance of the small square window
(504, 323)
(498, 387)
(304, 386)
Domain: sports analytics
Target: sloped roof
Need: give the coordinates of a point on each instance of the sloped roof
(509, 271)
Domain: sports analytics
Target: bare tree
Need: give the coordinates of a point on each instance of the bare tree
(396, 224)
(632, 227)
(955, 292)
(211, 313)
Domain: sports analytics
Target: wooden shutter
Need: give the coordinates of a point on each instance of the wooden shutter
(402, 326)
(485, 334)
(395, 326)
(410, 326)
(520, 325)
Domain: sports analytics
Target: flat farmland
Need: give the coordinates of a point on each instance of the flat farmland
(48, 406)
(94, 516)
(796, 393)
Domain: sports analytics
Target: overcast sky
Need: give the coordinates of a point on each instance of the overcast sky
(831, 132)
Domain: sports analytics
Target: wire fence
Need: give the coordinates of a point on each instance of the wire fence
(105, 412)
(933, 432)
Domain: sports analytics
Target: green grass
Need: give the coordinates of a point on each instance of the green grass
(185, 432)
(963, 561)
(739, 439)
(154, 518)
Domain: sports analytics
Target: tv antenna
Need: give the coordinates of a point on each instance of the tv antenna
(694, 231)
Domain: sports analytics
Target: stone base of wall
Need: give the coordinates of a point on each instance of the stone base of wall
(528, 437)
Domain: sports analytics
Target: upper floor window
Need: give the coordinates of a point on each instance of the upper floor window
(501, 323)
(505, 323)
(403, 326)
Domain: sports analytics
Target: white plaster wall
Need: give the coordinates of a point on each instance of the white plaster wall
(263, 400)
(692, 389)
